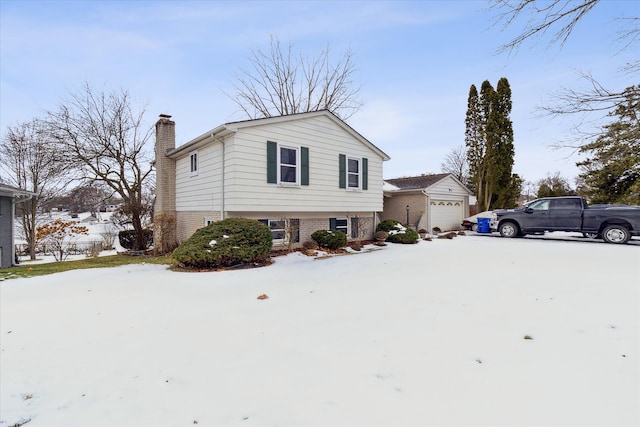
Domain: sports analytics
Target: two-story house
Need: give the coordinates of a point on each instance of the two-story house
(297, 173)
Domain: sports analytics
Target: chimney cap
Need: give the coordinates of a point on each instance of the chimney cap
(165, 116)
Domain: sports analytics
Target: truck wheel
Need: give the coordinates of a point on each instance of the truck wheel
(616, 234)
(509, 229)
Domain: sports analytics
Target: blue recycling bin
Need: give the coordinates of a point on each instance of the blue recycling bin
(484, 225)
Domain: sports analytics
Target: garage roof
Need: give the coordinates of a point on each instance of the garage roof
(417, 182)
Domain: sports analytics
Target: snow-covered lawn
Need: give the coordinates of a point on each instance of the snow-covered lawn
(475, 330)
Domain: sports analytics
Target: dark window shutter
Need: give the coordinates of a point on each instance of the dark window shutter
(365, 174)
(304, 164)
(343, 171)
(272, 162)
(332, 223)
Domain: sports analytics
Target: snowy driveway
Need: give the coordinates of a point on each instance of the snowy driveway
(470, 331)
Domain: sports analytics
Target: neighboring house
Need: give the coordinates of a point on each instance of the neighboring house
(9, 196)
(429, 201)
(297, 173)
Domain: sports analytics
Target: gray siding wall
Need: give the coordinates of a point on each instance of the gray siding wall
(6, 232)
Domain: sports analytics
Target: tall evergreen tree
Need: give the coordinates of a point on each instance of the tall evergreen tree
(489, 141)
(503, 151)
(491, 132)
(475, 142)
(612, 173)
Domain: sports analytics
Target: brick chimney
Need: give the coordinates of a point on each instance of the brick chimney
(165, 203)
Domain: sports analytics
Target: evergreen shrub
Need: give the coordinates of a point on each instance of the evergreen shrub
(387, 225)
(330, 239)
(397, 232)
(127, 238)
(226, 243)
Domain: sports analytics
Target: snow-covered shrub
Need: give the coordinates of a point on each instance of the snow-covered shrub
(225, 243)
(397, 232)
(387, 225)
(330, 239)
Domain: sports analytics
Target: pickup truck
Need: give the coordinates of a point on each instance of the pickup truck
(612, 223)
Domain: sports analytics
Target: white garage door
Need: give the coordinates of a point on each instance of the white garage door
(446, 214)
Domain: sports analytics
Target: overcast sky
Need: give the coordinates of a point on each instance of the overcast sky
(415, 62)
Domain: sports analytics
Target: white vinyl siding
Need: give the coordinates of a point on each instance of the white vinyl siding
(449, 188)
(201, 192)
(247, 189)
(193, 159)
(448, 204)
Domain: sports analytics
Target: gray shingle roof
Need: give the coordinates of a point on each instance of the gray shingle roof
(417, 182)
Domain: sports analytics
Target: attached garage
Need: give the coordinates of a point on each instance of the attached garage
(427, 201)
(447, 214)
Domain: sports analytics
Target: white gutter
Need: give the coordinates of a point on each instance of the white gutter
(217, 133)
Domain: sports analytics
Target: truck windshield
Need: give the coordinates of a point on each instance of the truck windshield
(539, 205)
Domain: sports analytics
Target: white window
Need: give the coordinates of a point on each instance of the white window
(339, 224)
(194, 162)
(288, 161)
(283, 230)
(353, 172)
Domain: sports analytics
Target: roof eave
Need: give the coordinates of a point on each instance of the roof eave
(16, 192)
(266, 120)
(220, 132)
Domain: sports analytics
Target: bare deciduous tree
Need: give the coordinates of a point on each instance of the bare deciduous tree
(361, 229)
(554, 185)
(592, 99)
(106, 140)
(559, 18)
(30, 161)
(282, 82)
(457, 164)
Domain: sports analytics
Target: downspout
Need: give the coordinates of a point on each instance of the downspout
(427, 209)
(222, 192)
(375, 223)
(13, 228)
